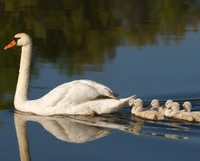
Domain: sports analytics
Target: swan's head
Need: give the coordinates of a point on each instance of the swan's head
(20, 39)
(138, 102)
(168, 103)
(155, 103)
(187, 106)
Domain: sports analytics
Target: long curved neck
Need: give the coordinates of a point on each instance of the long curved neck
(23, 78)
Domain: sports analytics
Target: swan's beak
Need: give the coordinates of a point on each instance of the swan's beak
(10, 45)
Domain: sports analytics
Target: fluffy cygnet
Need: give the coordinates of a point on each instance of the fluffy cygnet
(155, 105)
(188, 108)
(168, 103)
(174, 112)
(148, 114)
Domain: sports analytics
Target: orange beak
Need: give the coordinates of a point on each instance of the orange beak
(10, 45)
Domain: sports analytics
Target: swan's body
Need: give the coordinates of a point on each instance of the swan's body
(148, 114)
(174, 112)
(81, 97)
(188, 108)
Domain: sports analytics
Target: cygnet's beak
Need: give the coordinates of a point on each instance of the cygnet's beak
(150, 106)
(164, 106)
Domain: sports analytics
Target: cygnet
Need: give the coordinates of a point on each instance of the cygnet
(148, 114)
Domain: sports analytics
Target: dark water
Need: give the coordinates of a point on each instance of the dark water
(148, 48)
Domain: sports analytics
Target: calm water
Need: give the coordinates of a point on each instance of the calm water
(148, 48)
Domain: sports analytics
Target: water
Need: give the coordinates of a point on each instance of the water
(134, 47)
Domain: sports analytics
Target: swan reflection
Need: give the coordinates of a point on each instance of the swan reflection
(63, 128)
(81, 129)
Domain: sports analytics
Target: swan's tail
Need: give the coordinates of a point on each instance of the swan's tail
(127, 101)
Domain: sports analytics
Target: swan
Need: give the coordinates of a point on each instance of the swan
(148, 114)
(174, 112)
(79, 97)
(188, 107)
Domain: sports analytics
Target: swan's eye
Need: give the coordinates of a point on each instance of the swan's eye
(16, 39)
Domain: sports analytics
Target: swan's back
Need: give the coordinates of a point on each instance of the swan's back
(76, 92)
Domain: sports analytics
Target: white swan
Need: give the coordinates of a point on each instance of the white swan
(148, 114)
(188, 108)
(174, 112)
(82, 97)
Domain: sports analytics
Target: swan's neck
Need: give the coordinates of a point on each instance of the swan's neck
(23, 78)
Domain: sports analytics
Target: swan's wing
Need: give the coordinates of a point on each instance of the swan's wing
(75, 92)
(103, 90)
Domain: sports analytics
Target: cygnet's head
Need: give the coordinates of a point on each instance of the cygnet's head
(138, 102)
(155, 103)
(168, 103)
(175, 106)
(20, 39)
(187, 106)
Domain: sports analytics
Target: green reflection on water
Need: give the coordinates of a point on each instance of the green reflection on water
(73, 33)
